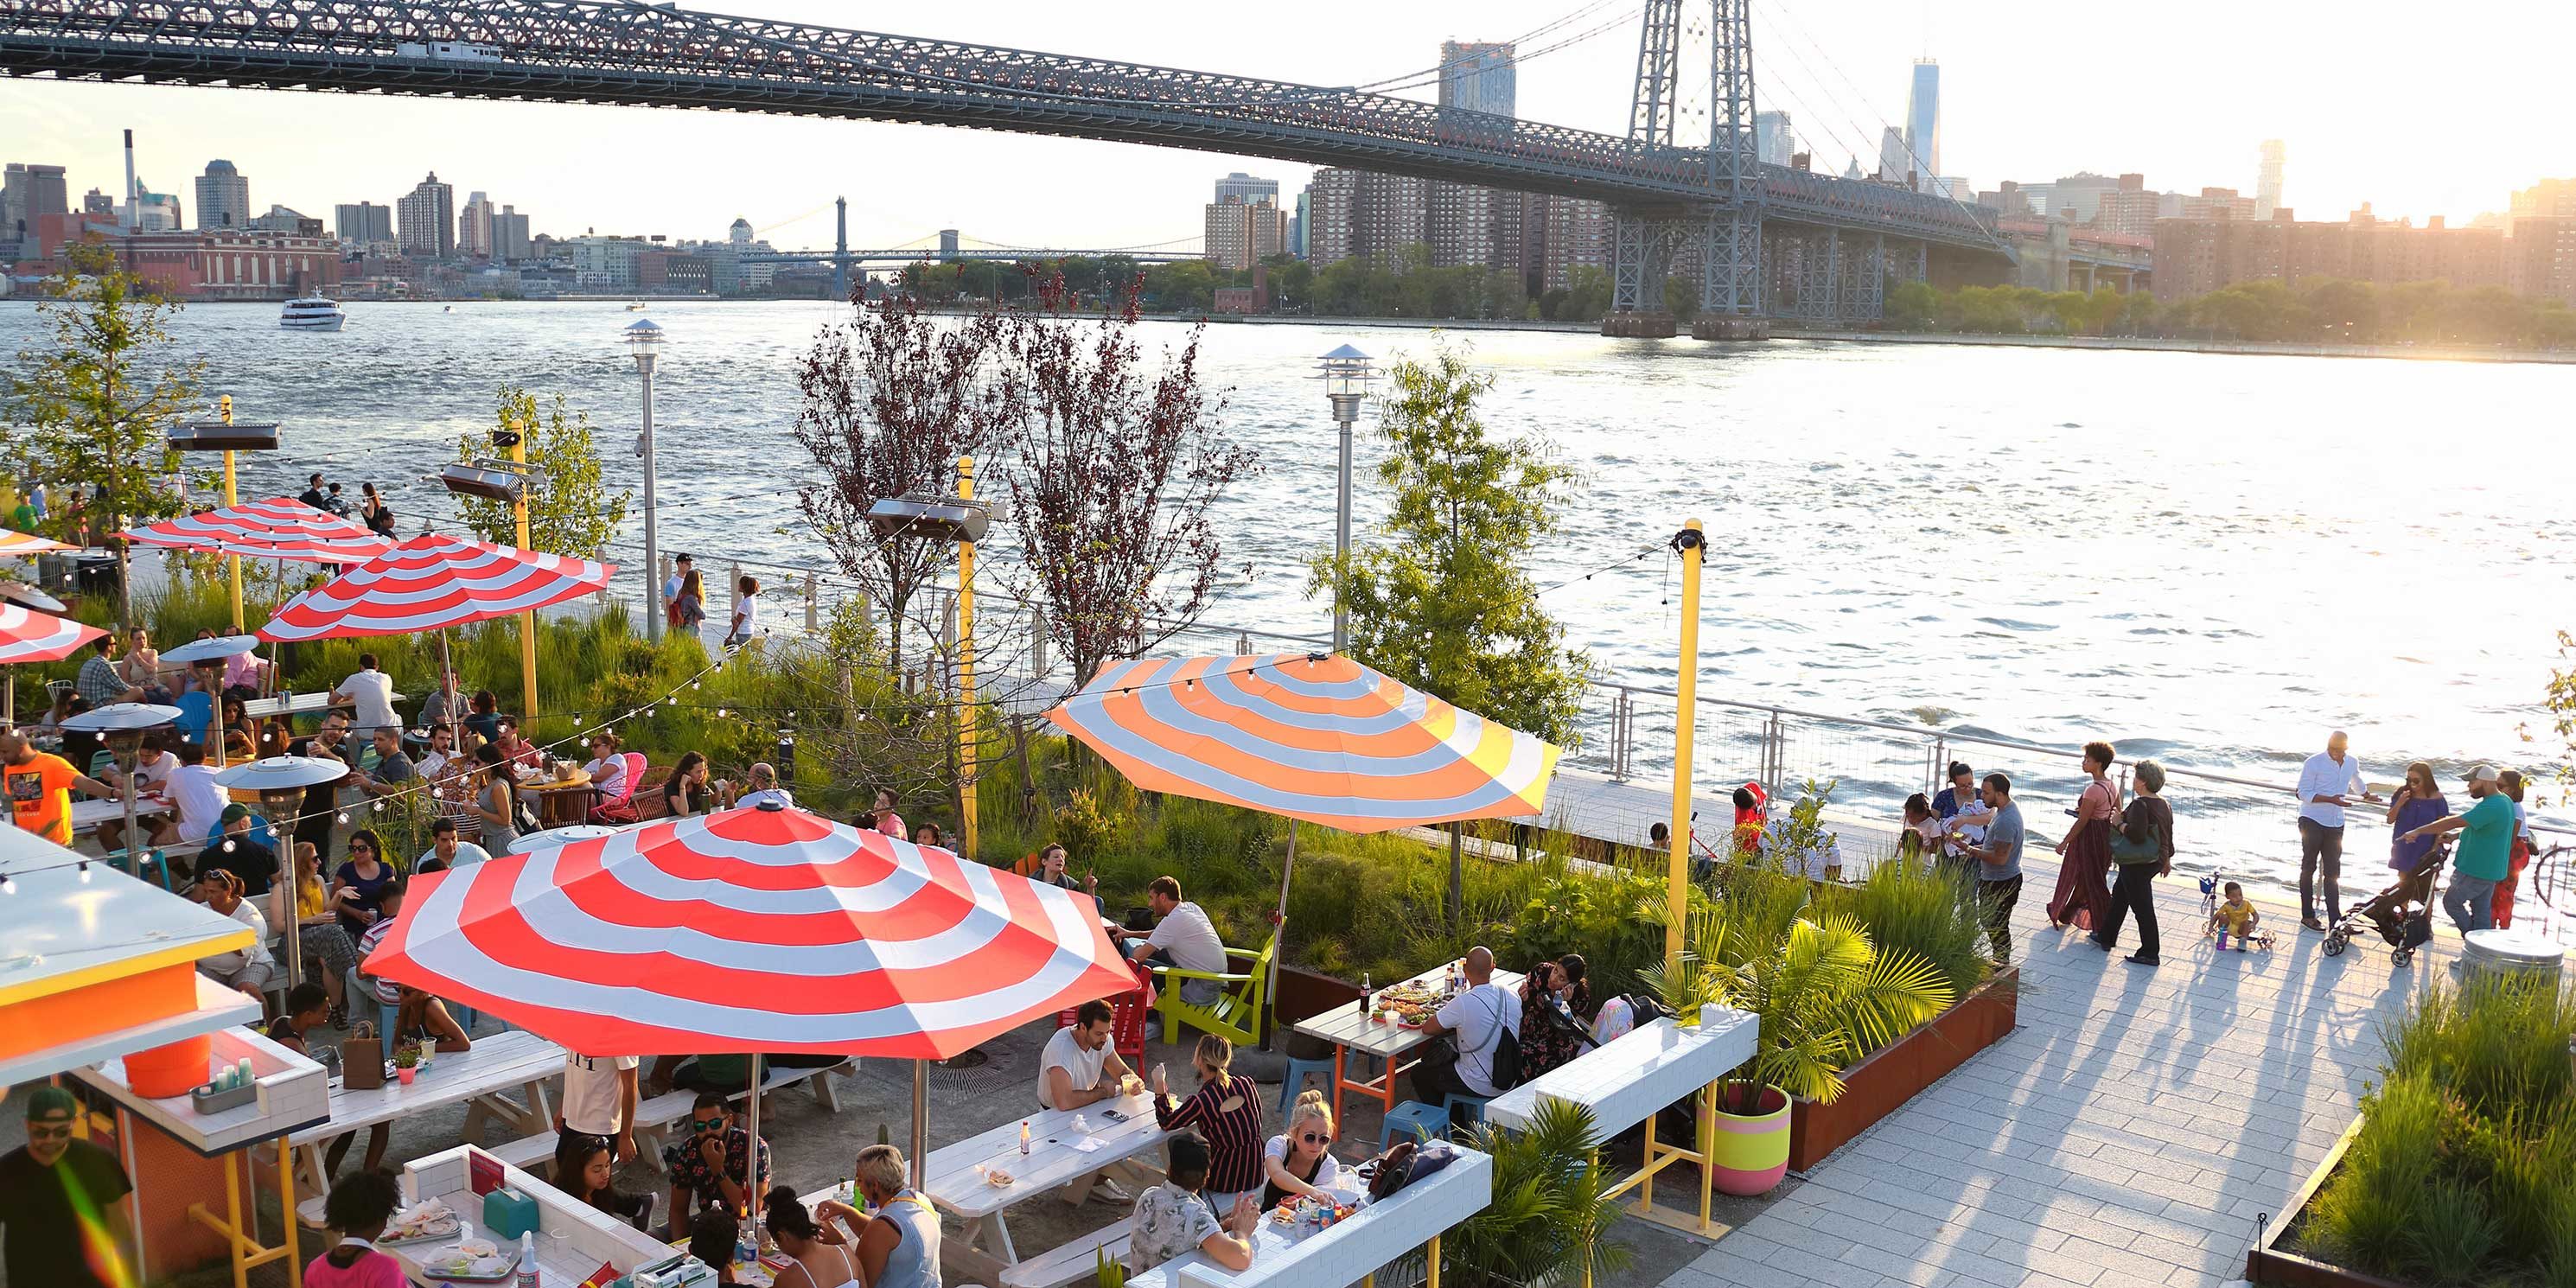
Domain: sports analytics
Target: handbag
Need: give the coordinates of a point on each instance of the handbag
(362, 1058)
(2150, 850)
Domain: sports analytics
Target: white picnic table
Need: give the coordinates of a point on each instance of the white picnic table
(1631, 1078)
(515, 1060)
(88, 814)
(1350, 1030)
(287, 704)
(573, 1238)
(1351, 1251)
(1059, 1154)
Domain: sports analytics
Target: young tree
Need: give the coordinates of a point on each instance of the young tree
(1112, 468)
(92, 408)
(1444, 602)
(892, 398)
(570, 511)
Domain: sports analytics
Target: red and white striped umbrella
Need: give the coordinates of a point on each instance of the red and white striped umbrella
(757, 929)
(431, 581)
(280, 527)
(14, 544)
(30, 636)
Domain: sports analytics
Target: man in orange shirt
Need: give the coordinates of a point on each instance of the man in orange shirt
(39, 787)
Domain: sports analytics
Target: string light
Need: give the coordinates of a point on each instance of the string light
(7, 886)
(84, 871)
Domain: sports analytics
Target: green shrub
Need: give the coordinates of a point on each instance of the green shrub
(1930, 912)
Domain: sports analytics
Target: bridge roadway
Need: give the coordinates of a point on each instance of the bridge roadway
(601, 51)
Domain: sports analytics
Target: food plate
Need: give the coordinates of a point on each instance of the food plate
(459, 1267)
(421, 1227)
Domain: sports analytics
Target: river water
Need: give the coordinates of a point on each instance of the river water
(2214, 559)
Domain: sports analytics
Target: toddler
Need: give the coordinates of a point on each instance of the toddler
(2235, 917)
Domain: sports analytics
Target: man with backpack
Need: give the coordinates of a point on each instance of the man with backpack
(1484, 1021)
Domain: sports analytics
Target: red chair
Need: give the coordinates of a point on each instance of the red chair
(1127, 1012)
(621, 808)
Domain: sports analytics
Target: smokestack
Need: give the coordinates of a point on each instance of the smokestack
(133, 194)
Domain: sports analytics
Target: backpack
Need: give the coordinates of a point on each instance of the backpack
(1505, 1068)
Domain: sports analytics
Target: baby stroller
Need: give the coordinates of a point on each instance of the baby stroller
(2402, 914)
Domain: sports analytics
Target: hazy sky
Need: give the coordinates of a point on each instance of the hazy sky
(2182, 91)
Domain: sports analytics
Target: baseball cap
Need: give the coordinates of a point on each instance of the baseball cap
(2482, 774)
(235, 812)
(51, 1102)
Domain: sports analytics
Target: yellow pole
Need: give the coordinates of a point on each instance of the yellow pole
(232, 563)
(527, 620)
(966, 666)
(1686, 713)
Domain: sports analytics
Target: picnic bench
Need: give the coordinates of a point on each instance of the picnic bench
(1236, 1013)
(655, 1115)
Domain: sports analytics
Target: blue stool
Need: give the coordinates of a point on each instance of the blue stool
(1456, 1101)
(1298, 1072)
(1423, 1121)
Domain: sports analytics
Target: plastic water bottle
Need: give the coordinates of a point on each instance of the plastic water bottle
(746, 1248)
(846, 1191)
(527, 1259)
(1024, 1138)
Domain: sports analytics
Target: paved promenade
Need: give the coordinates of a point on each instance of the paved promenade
(2124, 1135)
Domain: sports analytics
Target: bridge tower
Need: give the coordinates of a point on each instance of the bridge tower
(1726, 229)
(840, 248)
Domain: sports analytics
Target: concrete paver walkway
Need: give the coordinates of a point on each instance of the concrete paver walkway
(2125, 1134)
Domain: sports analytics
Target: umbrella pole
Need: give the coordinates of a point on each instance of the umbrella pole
(751, 1163)
(920, 1121)
(444, 667)
(1279, 936)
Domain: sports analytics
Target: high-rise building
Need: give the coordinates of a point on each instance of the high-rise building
(2197, 256)
(1299, 221)
(740, 233)
(1247, 188)
(28, 193)
(1574, 232)
(474, 228)
(2267, 188)
(2129, 209)
(95, 202)
(1923, 120)
(1242, 233)
(1894, 166)
(1478, 76)
(1359, 214)
(155, 212)
(509, 236)
(223, 197)
(2547, 199)
(280, 219)
(362, 224)
(2541, 257)
(1772, 137)
(2218, 203)
(425, 219)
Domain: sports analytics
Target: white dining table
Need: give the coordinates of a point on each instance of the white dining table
(1352, 1250)
(87, 815)
(1060, 1153)
(516, 1060)
(1350, 1030)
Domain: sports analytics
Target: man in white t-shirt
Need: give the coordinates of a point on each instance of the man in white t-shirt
(195, 795)
(1183, 938)
(1474, 1018)
(446, 852)
(599, 1098)
(1081, 1066)
(763, 789)
(370, 693)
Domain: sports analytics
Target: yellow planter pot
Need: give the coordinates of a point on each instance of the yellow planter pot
(1751, 1153)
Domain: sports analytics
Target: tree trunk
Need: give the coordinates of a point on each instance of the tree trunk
(1457, 875)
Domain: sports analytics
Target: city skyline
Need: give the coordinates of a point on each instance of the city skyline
(574, 168)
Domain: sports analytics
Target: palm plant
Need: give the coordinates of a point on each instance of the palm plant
(1547, 1215)
(1826, 994)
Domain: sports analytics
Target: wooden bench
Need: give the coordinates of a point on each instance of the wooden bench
(1074, 1263)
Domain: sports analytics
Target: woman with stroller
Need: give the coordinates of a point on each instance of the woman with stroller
(2417, 803)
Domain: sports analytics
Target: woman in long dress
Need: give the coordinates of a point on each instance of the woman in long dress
(2083, 898)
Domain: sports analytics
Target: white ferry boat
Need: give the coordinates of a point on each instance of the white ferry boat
(635, 306)
(314, 314)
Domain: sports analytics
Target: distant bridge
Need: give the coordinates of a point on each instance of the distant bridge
(1711, 200)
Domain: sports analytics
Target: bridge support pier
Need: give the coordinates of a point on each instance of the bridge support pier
(1641, 252)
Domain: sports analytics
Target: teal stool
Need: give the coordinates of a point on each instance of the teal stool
(1455, 1102)
(1423, 1121)
(1298, 1072)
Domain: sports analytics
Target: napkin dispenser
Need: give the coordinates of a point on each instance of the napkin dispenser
(509, 1212)
(679, 1272)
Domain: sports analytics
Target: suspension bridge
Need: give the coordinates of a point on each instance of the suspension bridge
(1759, 240)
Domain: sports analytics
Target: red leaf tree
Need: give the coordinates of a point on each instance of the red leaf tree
(1113, 462)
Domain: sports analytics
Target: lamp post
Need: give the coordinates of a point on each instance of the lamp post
(1346, 375)
(963, 520)
(505, 481)
(226, 437)
(644, 340)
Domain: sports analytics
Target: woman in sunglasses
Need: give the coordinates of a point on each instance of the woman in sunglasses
(1301, 1162)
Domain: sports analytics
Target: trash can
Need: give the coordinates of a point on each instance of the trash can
(2499, 955)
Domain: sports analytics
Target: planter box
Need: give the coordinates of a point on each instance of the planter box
(2272, 1263)
(1893, 1074)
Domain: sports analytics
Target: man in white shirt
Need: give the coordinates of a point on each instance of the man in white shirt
(2324, 782)
(765, 789)
(1477, 1018)
(1183, 938)
(445, 851)
(371, 693)
(195, 795)
(154, 768)
(599, 1098)
(1081, 1065)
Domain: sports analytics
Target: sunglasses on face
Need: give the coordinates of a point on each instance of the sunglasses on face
(705, 1125)
(52, 1131)
(1314, 1138)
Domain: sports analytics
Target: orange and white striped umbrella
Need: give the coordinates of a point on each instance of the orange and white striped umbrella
(755, 929)
(14, 544)
(1312, 737)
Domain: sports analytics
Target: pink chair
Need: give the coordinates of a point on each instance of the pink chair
(621, 808)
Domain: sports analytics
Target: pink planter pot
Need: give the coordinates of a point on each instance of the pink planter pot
(1751, 1152)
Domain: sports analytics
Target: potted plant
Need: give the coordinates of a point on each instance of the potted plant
(406, 1064)
(1825, 994)
(1544, 1223)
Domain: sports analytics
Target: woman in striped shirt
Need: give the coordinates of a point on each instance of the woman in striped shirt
(1227, 1111)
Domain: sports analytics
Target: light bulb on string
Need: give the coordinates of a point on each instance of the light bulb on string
(84, 872)
(344, 816)
(228, 847)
